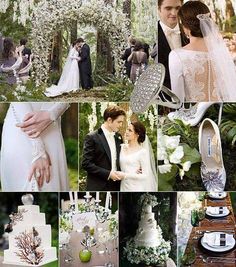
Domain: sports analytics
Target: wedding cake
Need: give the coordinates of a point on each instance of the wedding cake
(148, 233)
(148, 245)
(29, 237)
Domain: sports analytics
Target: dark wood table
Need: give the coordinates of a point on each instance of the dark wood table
(226, 224)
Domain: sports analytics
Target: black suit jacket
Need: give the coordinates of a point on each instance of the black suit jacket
(164, 51)
(128, 64)
(97, 161)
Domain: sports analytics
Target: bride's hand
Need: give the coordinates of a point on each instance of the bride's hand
(121, 175)
(35, 123)
(40, 169)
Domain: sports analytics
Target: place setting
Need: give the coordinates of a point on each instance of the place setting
(89, 229)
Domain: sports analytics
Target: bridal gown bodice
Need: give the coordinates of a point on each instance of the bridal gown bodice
(192, 76)
(18, 151)
(130, 164)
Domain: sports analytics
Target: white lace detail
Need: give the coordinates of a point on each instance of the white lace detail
(198, 76)
(206, 16)
(57, 110)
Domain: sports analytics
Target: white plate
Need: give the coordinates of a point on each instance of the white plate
(217, 248)
(225, 213)
(217, 195)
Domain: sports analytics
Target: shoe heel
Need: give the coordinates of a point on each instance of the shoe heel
(220, 113)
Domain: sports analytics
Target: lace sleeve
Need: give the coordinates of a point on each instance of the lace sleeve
(19, 111)
(176, 75)
(57, 110)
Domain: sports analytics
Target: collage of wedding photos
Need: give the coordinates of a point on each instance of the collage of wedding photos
(118, 133)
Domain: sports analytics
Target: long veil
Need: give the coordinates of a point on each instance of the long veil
(152, 177)
(66, 69)
(222, 62)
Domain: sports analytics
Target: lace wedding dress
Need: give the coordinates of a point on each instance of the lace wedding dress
(192, 76)
(130, 163)
(18, 151)
(69, 80)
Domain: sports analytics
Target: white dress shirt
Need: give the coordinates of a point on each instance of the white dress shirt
(172, 35)
(112, 145)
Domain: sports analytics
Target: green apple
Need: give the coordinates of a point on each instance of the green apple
(85, 255)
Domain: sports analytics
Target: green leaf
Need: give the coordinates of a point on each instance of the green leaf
(191, 154)
(166, 181)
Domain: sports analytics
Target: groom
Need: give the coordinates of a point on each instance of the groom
(85, 67)
(101, 152)
(170, 35)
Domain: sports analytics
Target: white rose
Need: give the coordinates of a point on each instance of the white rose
(186, 165)
(177, 155)
(171, 142)
(164, 168)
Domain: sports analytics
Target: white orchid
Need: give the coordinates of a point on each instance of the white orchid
(164, 168)
(186, 166)
(171, 142)
(162, 153)
(177, 155)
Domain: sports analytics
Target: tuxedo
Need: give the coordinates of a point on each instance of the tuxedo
(85, 67)
(164, 50)
(128, 64)
(26, 51)
(97, 161)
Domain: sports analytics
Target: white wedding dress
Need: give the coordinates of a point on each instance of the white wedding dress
(18, 151)
(69, 80)
(192, 76)
(130, 163)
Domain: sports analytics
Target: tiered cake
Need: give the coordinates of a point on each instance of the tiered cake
(30, 238)
(148, 233)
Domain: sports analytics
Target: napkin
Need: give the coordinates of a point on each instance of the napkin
(217, 210)
(218, 239)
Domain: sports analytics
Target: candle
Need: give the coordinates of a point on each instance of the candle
(71, 197)
(76, 201)
(97, 197)
(87, 194)
(62, 204)
(107, 201)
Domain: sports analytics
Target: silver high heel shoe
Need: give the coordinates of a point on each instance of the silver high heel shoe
(212, 168)
(194, 114)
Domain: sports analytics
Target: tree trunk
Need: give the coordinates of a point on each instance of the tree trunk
(229, 14)
(73, 31)
(70, 122)
(104, 60)
(127, 11)
(56, 55)
(173, 207)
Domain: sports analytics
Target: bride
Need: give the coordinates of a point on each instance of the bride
(69, 80)
(32, 153)
(136, 161)
(203, 70)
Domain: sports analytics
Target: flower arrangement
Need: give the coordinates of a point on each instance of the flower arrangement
(147, 199)
(49, 16)
(171, 152)
(147, 255)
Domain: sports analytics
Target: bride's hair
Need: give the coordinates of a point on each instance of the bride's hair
(188, 16)
(8, 48)
(139, 129)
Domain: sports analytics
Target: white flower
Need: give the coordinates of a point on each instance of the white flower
(164, 168)
(177, 155)
(181, 173)
(161, 153)
(186, 165)
(171, 142)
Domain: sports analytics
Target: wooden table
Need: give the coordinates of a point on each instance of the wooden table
(228, 223)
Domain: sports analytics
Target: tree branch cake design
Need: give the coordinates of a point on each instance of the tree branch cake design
(30, 237)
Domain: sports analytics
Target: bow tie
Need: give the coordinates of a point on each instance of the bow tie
(172, 31)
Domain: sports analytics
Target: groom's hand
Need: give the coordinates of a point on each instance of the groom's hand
(114, 176)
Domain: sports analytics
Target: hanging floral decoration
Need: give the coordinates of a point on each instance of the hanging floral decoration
(49, 16)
